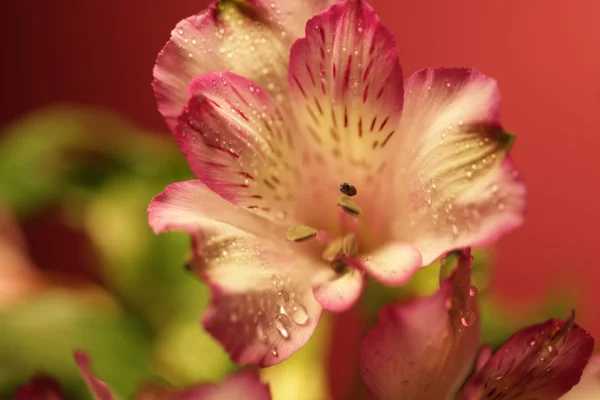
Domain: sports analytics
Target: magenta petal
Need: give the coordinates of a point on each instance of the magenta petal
(40, 388)
(191, 206)
(262, 307)
(243, 385)
(459, 188)
(540, 362)
(347, 88)
(394, 264)
(424, 349)
(237, 142)
(338, 292)
(249, 38)
(98, 388)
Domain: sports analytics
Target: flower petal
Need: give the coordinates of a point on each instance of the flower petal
(235, 139)
(543, 361)
(251, 38)
(393, 264)
(347, 88)
(338, 292)
(588, 387)
(40, 387)
(243, 385)
(425, 348)
(190, 206)
(456, 184)
(98, 388)
(262, 306)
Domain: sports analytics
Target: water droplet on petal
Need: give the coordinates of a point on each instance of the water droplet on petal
(281, 327)
(274, 351)
(448, 304)
(298, 314)
(282, 297)
(473, 291)
(467, 318)
(260, 334)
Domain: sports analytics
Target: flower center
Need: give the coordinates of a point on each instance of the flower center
(340, 252)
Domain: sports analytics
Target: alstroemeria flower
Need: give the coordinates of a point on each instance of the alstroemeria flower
(40, 387)
(243, 385)
(426, 349)
(272, 123)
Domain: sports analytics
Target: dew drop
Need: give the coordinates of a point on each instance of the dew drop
(467, 318)
(233, 317)
(532, 343)
(281, 327)
(298, 314)
(473, 291)
(282, 297)
(274, 351)
(448, 304)
(260, 334)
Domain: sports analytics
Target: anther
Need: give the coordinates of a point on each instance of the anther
(348, 189)
(349, 206)
(300, 233)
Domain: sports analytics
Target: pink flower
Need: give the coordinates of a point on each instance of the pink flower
(272, 115)
(40, 387)
(426, 349)
(243, 385)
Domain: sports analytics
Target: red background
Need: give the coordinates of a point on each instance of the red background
(544, 53)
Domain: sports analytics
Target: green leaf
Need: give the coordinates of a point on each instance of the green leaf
(41, 333)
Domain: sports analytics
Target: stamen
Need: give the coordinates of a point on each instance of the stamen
(348, 189)
(333, 251)
(564, 329)
(349, 206)
(349, 245)
(300, 233)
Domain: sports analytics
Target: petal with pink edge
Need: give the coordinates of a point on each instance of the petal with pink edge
(455, 185)
(40, 387)
(237, 142)
(347, 87)
(98, 388)
(262, 307)
(251, 38)
(338, 291)
(588, 387)
(393, 264)
(243, 385)
(540, 362)
(424, 349)
(190, 206)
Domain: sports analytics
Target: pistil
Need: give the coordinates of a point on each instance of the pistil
(340, 252)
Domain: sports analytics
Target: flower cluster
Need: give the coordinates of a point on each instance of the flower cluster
(319, 166)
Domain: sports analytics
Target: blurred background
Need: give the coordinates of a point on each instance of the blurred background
(83, 150)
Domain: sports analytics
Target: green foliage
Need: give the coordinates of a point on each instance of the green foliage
(103, 172)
